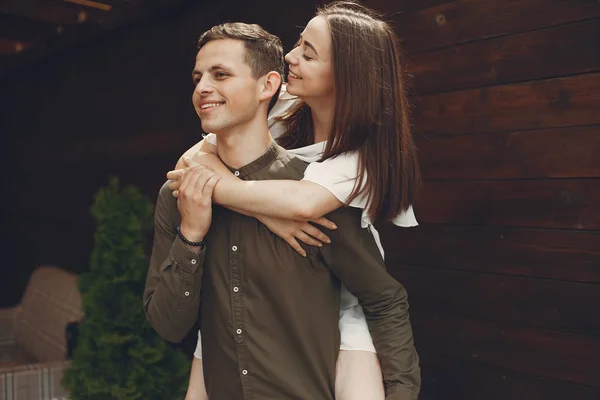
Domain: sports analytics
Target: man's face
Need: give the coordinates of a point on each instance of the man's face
(226, 97)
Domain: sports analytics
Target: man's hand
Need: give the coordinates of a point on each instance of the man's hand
(195, 201)
(200, 158)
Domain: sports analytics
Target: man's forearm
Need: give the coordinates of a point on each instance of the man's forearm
(354, 258)
(172, 297)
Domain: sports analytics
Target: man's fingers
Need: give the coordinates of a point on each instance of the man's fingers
(308, 239)
(315, 233)
(296, 246)
(325, 222)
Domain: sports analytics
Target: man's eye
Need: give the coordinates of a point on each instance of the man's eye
(307, 58)
(220, 74)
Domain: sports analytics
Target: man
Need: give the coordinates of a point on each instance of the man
(269, 317)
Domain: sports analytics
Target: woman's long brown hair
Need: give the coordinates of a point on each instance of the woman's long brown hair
(371, 111)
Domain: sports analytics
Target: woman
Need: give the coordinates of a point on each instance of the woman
(352, 115)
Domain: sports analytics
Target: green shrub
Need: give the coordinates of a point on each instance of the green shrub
(119, 356)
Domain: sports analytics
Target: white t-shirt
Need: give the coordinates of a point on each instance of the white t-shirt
(337, 175)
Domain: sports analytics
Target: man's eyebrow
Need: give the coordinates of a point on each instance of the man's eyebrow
(309, 44)
(195, 72)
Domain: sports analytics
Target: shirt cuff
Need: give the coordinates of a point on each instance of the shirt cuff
(185, 258)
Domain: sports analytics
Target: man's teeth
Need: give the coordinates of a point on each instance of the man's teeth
(293, 75)
(210, 105)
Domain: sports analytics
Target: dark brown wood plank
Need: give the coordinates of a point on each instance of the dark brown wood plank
(540, 303)
(561, 203)
(552, 254)
(467, 20)
(390, 8)
(25, 29)
(552, 153)
(559, 51)
(551, 103)
(59, 12)
(558, 355)
(453, 379)
(9, 46)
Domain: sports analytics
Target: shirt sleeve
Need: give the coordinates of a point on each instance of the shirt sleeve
(338, 175)
(174, 279)
(354, 258)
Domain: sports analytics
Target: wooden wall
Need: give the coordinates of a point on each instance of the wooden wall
(118, 105)
(503, 274)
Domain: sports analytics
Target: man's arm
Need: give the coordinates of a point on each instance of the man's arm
(172, 294)
(354, 258)
(173, 283)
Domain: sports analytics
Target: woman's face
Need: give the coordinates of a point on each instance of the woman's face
(311, 66)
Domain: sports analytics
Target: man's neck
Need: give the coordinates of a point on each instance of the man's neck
(322, 117)
(243, 145)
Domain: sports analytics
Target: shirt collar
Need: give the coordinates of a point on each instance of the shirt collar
(273, 152)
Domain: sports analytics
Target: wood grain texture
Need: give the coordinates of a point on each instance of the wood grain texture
(552, 254)
(468, 20)
(558, 355)
(454, 379)
(560, 203)
(553, 52)
(551, 103)
(534, 302)
(549, 153)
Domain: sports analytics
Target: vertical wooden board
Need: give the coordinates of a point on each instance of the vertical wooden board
(558, 51)
(468, 20)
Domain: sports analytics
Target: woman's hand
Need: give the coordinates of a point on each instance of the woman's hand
(200, 158)
(292, 231)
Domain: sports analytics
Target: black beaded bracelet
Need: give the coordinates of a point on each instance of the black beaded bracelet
(184, 239)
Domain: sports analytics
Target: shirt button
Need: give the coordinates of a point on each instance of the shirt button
(239, 331)
(193, 261)
(237, 173)
(236, 289)
(187, 293)
(244, 372)
(234, 248)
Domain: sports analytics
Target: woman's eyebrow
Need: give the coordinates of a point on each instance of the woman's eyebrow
(309, 44)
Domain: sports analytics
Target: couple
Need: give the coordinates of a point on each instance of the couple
(276, 324)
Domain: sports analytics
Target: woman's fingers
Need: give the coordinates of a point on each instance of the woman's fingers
(308, 239)
(296, 246)
(315, 233)
(325, 223)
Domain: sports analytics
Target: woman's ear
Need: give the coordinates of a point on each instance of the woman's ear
(271, 82)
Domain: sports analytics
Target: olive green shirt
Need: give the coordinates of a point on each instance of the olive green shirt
(269, 317)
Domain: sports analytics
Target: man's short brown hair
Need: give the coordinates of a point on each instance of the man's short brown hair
(264, 51)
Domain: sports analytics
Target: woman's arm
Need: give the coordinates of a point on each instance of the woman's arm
(296, 200)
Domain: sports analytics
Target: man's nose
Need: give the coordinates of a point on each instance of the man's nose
(204, 86)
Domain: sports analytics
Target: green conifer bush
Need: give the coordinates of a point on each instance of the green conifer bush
(119, 356)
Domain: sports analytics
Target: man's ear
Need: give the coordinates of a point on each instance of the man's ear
(270, 83)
